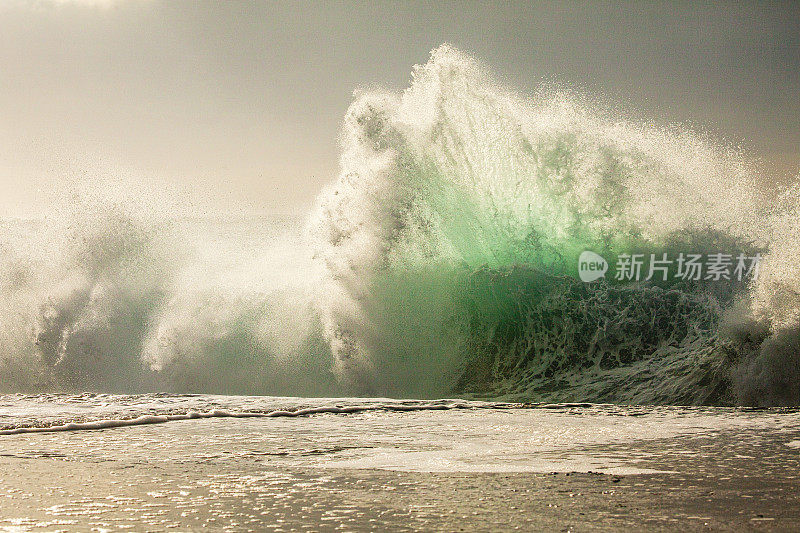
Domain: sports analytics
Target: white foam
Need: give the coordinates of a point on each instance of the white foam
(227, 413)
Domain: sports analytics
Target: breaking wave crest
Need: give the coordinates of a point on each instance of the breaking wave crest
(453, 234)
(442, 261)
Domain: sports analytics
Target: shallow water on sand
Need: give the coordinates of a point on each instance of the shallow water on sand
(472, 467)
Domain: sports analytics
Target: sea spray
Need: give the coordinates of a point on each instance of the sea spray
(105, 296)
(453, 234)
(443, 261)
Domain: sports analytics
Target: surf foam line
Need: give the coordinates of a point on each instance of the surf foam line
(224, 413)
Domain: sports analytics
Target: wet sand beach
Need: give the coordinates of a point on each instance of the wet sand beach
(568, 469)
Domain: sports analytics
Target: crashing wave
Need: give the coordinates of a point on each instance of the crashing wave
(446, 264)
(452, 239)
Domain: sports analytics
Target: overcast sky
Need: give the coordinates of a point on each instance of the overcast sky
(239, 103)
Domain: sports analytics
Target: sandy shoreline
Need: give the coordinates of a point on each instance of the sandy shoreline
(315, 475)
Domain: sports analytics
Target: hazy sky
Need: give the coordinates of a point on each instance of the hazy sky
(239, 103)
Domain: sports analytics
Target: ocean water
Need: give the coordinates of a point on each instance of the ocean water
(423, 332)
(298, 464)
(442, 262)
